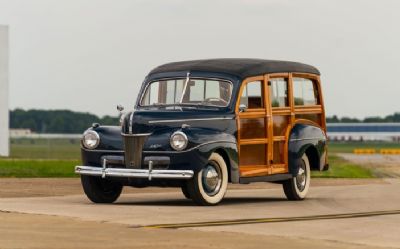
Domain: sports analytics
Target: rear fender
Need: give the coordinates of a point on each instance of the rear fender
(302, 138)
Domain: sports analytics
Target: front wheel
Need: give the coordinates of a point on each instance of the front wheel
(185, 192)
(100, 190)
(297, 187)
(209, 185)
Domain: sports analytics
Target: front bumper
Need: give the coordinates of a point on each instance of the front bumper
(135, 173)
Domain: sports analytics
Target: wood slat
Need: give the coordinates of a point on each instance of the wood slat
(254, 141)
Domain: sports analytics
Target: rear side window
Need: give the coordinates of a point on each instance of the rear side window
(305, 92)
(279, 92)
(252, 95)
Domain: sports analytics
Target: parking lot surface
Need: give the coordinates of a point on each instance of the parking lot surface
(137, 211)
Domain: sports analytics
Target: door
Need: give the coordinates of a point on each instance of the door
(253, 128)
(282, 117)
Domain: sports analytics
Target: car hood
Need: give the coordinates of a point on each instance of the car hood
(149, 121)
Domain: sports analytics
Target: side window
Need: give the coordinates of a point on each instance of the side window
(252, 95)
(152, 94)
(305, 92)
(279, 92)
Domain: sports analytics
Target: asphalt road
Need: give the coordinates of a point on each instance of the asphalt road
(246, 212)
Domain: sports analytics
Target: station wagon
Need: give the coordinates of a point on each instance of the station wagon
(199, 125)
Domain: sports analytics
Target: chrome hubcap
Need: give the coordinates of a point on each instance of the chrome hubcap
(301, 178)
(211, 179)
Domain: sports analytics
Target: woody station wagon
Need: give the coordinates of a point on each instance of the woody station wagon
(198, 125)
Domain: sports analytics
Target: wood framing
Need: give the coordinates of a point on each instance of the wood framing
(293, 114)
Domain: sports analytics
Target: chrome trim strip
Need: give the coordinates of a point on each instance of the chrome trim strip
(161, 152)
(136, 135)
(136, 173)
(308, 138)
(186, 120)
(102, 151)
(130, 123)
(182, 151)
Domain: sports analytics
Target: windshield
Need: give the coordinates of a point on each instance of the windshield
(207, 92)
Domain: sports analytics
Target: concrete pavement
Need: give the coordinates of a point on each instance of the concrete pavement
(140, 209)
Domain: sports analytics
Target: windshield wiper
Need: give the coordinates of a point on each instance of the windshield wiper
(185, 86)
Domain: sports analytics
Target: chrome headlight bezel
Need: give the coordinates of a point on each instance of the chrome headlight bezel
(90, 135)
(178, 136)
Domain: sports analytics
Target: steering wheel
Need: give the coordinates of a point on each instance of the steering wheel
(215, 99)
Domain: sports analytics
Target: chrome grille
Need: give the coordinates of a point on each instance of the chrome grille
(133, 146)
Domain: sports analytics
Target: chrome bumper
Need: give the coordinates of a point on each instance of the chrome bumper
(138, 173)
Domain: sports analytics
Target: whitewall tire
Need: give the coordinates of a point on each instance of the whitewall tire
(209, 185)
(297, 187)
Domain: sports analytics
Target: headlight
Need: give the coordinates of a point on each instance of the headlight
(90, 139)
(178, 140)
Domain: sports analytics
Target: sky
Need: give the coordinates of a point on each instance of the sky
(90, 55)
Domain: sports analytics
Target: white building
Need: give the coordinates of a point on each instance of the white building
(4, 116)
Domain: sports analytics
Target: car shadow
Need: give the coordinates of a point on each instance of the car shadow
(185, 202)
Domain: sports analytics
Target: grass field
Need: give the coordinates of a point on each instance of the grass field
(70, 148)
(340, 168)
(37, 168)
(65, 168)
(45, 149)
(57, 158)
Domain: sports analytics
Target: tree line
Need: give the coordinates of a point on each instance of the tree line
(56, 121)
(393, 118)
(66, 121)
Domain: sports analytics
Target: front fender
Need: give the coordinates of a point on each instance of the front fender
(202, 142)
(110, 144)
(110, 137)
(229, 151)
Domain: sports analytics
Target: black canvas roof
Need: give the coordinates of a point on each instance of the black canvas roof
(239, 67)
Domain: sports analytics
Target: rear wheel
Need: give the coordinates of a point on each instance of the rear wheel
(209, 185)
(297, 187)
(100, 190)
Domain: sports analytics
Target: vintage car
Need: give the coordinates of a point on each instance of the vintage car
(199, 125)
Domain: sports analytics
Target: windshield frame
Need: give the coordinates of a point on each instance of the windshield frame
(185, 104)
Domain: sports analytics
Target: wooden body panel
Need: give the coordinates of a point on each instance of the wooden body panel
(278, 123)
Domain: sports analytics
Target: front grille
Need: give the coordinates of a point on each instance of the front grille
(133, 146)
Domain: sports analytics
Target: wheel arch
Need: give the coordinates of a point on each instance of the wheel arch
(222, 152)
(229, 153)
(309, 139)
(313, 157)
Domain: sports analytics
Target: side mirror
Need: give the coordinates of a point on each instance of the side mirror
(242, 108)
(120, 108)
